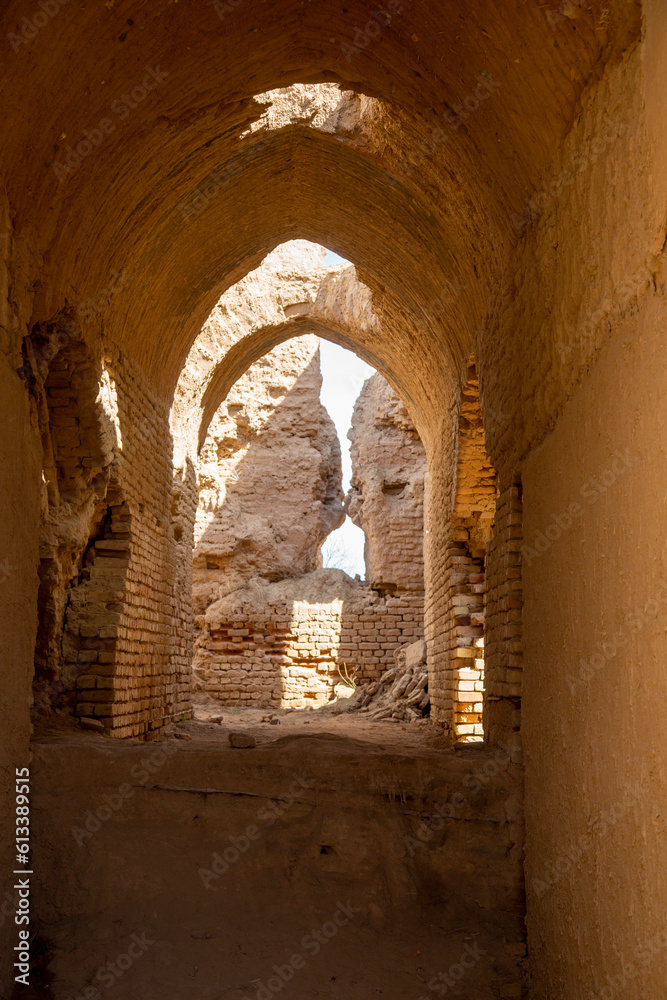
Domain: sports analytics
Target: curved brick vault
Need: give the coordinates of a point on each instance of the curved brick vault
(496, 175)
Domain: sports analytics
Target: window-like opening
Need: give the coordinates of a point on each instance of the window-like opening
(307, 541)
(343, 375)
(279, 624)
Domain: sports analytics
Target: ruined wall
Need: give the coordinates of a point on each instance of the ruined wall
(290, 643)
(386, 498)
(269, 477)
(150, 668)
(475, 532)
(268, 498)
(109, 604)
(118, 648)
(461, 537)
(74, 410)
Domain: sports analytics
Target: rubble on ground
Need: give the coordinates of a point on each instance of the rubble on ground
(401, 694)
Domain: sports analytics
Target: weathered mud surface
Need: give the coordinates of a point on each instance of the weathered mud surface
(226, 864)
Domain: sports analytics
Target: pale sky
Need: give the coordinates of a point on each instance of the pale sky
(343, 375)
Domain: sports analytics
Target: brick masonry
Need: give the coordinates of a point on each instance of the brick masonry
(504, 635)
(463, 589)
(125, 601)
(127, 633)
(292, 653)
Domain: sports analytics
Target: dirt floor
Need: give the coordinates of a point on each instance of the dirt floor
(332, 718)
(337, 858)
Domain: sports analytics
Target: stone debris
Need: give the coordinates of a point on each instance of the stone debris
(242, 741)
(401, 694)
(96, 725)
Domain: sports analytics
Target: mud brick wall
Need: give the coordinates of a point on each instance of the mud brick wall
(129, 624)
(77, 439)
(95, 614)
(290, 654)
(465, 631)
(456, 634)
(504, 632)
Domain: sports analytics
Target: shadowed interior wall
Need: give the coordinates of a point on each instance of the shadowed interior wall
(595, 585)
(595, 675)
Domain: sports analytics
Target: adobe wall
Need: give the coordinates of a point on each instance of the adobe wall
(593, 552)
(597, 646)
(127, 633)
(114, 622)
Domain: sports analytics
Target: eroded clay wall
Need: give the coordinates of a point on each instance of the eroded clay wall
(269, 477)
(128, 630)
(386, 497)
(271, 629)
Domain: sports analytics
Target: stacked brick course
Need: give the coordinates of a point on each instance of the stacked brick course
(277, 650)
(465, 637)
(127, 635)
(504, 632)
(458, 643)
(153, 651)
(94, 617)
